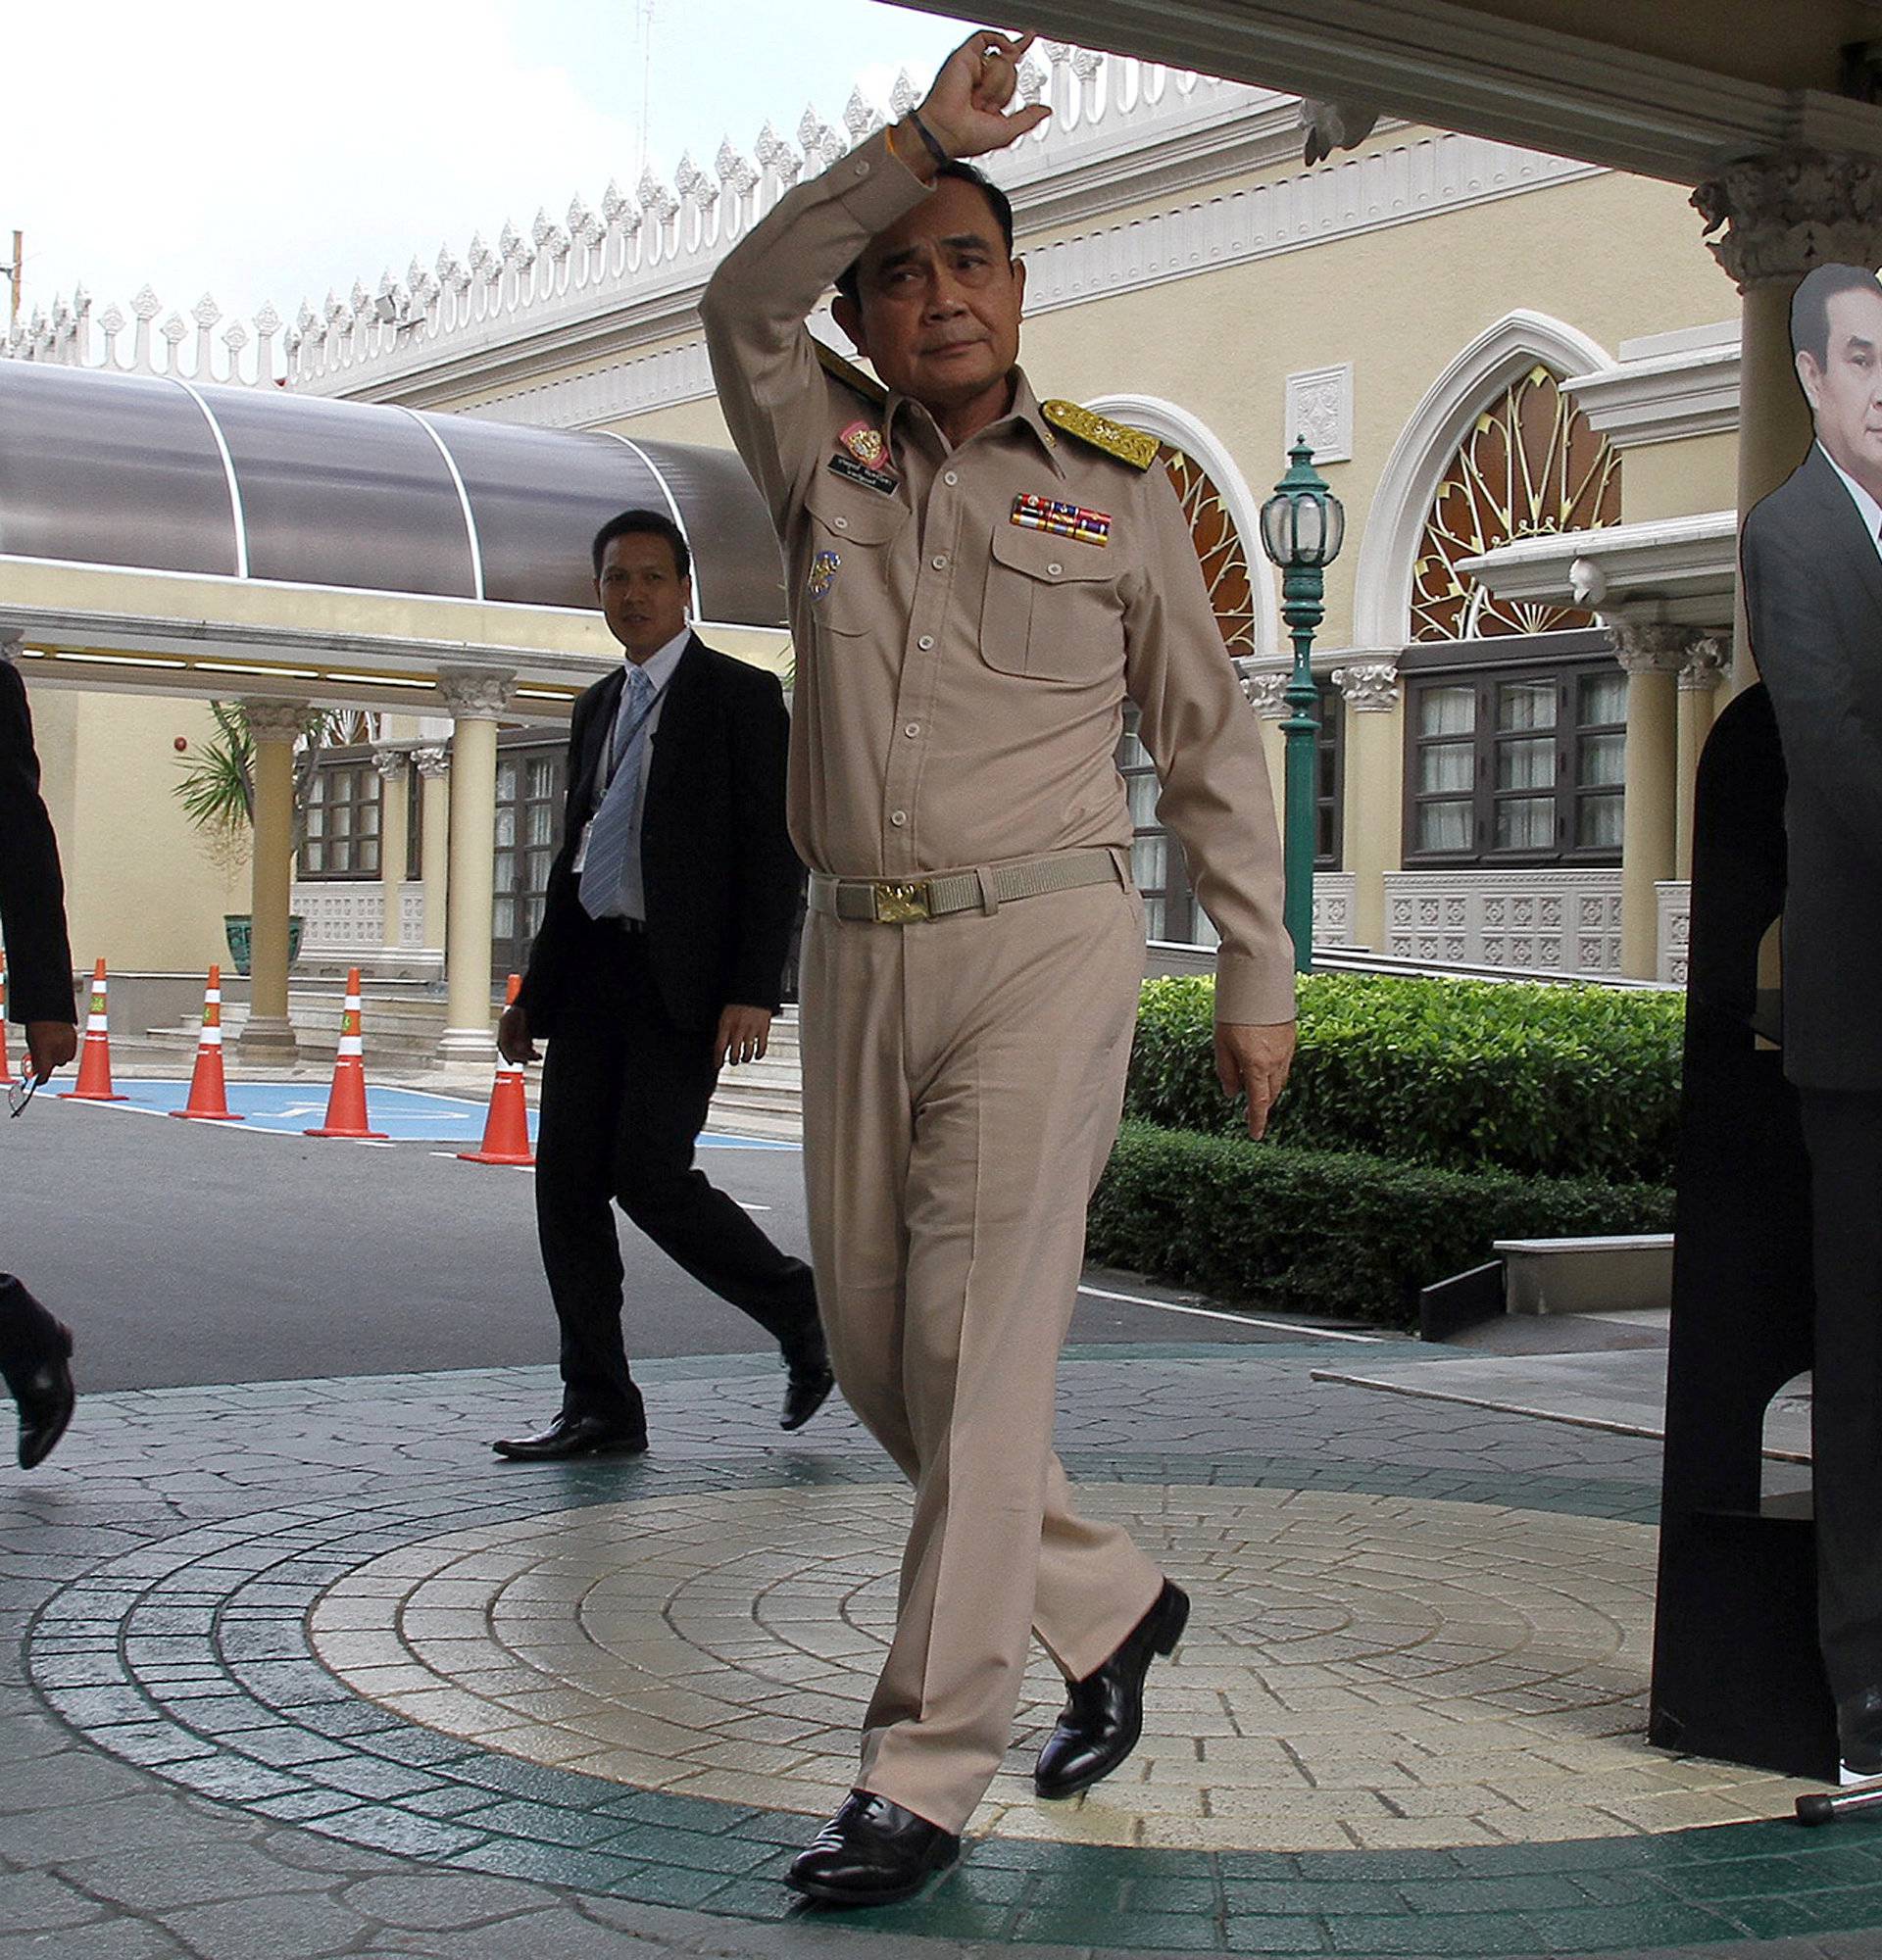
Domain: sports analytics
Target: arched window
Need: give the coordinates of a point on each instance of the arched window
(1531, 462)
(1515, 712)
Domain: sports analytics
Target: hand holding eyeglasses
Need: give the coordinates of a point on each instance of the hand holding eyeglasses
(50, 1044)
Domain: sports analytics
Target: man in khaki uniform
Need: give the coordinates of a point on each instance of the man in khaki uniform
(977, 582)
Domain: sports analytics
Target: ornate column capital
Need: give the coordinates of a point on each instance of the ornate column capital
(479, 692)
(1266, 694)
(1370, 687)
(432, 761)
(1704, 663)
(1790, 209)
(271, 720)
(390, 762)
(1650, 646)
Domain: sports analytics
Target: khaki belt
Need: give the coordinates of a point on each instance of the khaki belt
(908, 901)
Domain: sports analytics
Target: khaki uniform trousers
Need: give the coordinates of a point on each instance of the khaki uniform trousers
(964, 1079)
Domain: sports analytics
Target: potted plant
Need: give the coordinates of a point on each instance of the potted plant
(216, 790)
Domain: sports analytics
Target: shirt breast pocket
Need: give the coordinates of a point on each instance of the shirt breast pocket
(848, 579)
(1051, 610)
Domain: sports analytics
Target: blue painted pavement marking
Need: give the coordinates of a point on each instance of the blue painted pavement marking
(405, 1115)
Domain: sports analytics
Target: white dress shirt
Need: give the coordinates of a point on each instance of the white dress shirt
(659, 669)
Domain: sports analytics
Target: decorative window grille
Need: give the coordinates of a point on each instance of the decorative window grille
(1531, 463)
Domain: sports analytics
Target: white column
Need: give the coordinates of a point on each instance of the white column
(1375, 770)
(433, 764)
(475, 698)
(1701, 669)
(1651, 655)
(274, 726)
(393, 766)
(1268, 696)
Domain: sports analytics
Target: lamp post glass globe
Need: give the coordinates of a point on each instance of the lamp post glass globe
(1303, 526)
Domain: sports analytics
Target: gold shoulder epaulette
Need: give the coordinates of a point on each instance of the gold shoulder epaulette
(849, 373)
(1135, 446)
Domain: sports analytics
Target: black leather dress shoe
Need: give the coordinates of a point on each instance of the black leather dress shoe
(1104, 1712)
(573, 1436)
(807, 1386)
(1859, 1734)
(871, 1852)
(46, 1400)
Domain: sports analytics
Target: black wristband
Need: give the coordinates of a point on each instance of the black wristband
(921, 129)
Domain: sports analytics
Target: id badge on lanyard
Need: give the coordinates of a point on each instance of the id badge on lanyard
(614, 728)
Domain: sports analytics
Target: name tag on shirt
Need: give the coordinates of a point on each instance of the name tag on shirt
(853, 471)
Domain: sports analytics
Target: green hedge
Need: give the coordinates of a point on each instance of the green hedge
(1459, 1074)
(1330, 1232)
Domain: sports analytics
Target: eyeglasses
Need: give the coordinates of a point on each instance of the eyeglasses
(19, 1093)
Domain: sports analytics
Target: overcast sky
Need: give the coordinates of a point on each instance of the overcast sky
(271, 152)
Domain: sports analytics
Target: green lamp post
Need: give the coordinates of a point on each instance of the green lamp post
(1303, 525)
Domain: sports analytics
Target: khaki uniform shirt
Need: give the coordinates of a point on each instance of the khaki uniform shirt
(960, 677)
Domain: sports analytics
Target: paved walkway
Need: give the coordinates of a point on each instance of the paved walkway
(303, 1670)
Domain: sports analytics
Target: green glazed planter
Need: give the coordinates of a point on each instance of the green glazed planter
(235, 927)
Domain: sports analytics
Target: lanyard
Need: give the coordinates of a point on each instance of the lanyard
(618, 749)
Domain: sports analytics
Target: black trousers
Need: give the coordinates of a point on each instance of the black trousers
(624, 1093)
(28, 1333)
(1843, 1133)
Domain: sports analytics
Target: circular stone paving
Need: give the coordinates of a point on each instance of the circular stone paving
(1360, 1671)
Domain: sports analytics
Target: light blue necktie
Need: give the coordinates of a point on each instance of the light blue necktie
(604, 869)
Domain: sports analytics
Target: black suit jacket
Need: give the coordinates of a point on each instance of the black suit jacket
(32, 895)
(1812, 585)
(721, 880)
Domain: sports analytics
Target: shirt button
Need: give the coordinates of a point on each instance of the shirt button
(925, 642)
(939, 561)
(843, 524)
(863, 169)
(951, 477)
(1053, 571)
(898, 817)
(913, 729)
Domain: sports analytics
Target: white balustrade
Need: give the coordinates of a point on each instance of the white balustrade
(1675, 905)
(1333, 895)
(1538, 920)
(603, 259)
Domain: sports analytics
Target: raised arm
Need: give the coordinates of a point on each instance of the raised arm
(770, 386)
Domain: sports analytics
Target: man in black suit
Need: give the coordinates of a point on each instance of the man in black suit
(1811, 556)
(34, 1348)
(661, 954)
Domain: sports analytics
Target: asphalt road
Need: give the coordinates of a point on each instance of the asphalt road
(185, 1253)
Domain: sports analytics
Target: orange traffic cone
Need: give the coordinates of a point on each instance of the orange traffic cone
(506, 1130)
(94, 1058)
(346, 1103)
(6, 1067)
(207, 1098)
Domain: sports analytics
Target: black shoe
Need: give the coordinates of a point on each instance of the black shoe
(573, 1436)
(1859, 1734)
(46, 1400)
(807, 1385)
(1104, 1712)
(871, 1852)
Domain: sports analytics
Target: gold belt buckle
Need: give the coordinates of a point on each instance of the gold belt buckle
(901, 905)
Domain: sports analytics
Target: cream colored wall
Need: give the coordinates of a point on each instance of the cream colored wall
(1612, 256)
(1679, 480)
(141, 890)
(697, 421)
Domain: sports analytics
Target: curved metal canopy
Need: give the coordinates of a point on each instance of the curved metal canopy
(161, 475)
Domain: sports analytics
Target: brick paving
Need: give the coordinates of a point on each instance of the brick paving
(301, 1669)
